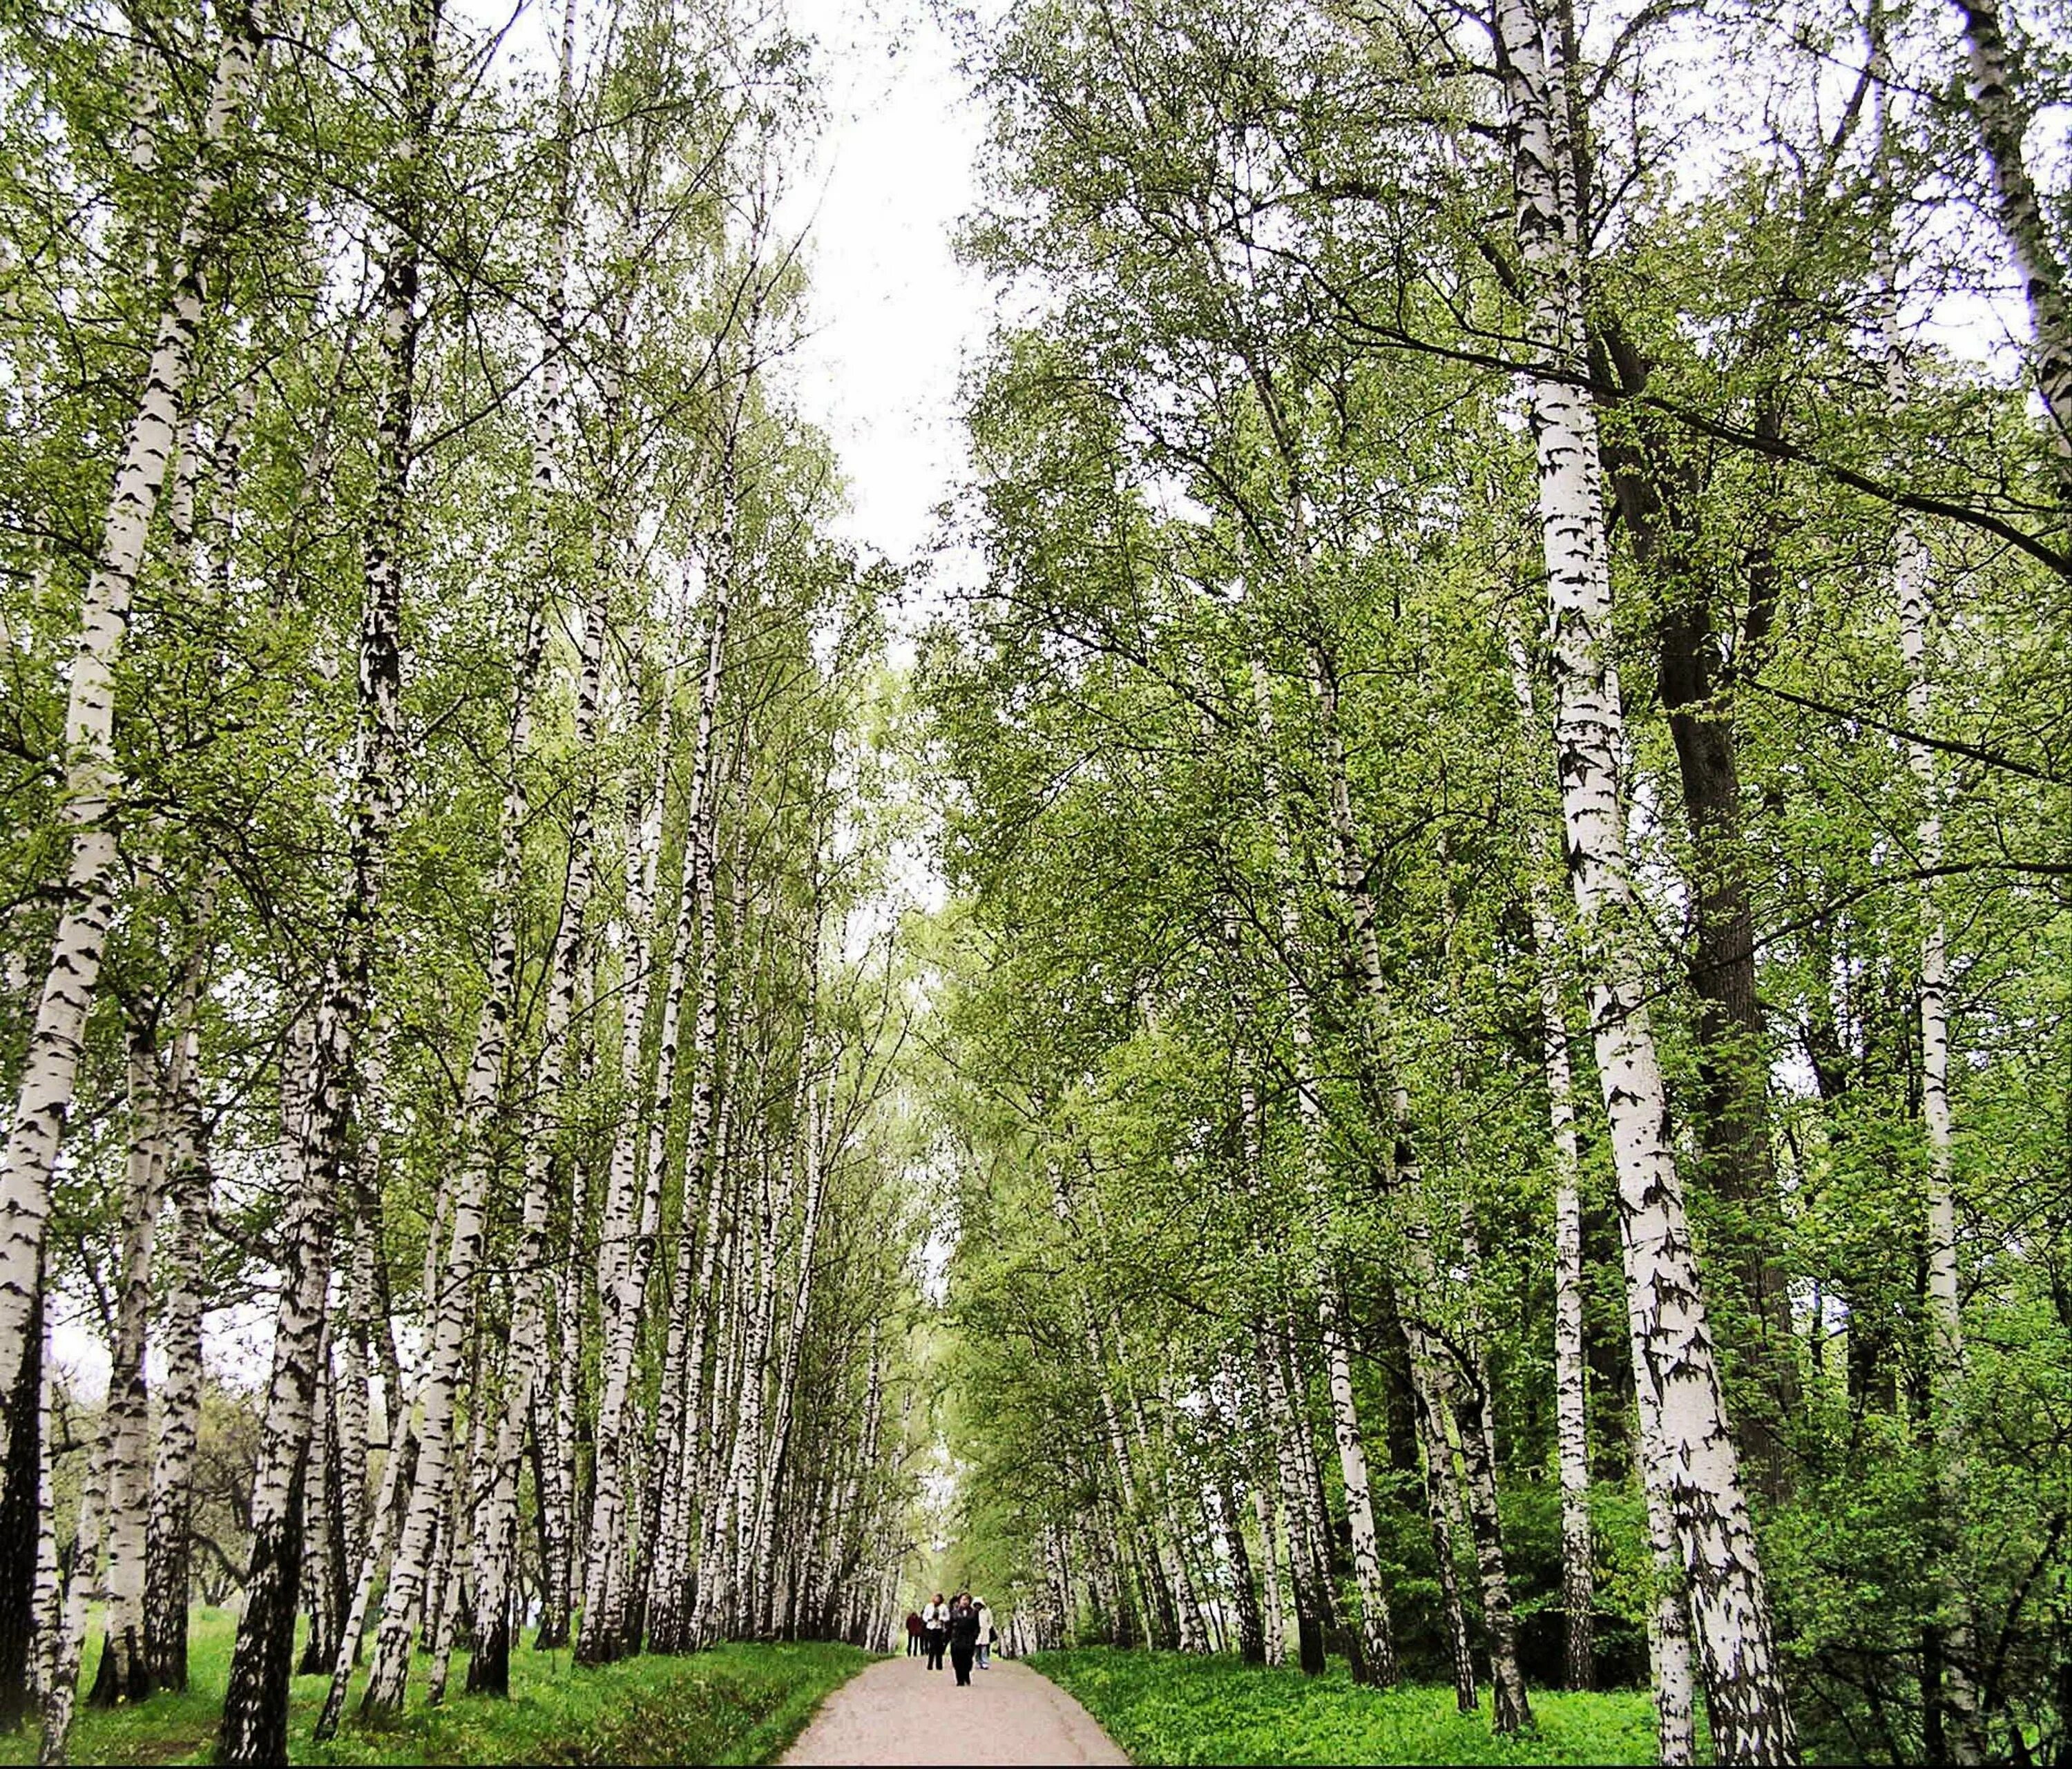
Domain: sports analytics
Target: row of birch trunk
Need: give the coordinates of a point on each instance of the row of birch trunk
(1442, 1061)
(460, 730)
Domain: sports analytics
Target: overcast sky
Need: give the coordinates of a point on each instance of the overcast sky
(895, 315)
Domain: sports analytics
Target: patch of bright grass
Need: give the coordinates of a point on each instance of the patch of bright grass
(1166, 1708)
(736, 1704)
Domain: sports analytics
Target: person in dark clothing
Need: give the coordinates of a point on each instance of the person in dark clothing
(915, 1631)
(963, 1635)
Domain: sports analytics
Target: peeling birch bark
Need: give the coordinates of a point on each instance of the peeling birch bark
(87, 814)
(1745, 1686)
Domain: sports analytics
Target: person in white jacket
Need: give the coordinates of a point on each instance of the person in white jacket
(936, 1620)
(985, 1635)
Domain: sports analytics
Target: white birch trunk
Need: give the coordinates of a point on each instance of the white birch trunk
(125, 1673)
(1669, 1617)
(255, 1713)
(1743, 1682)
(87, 810)
(1572, 1425)
(1955, 1642)
(61, 1695)
(604, 1611)
(167, 1545)
(2002, 124)
(1377, 1641)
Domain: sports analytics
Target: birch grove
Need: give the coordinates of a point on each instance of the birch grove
(1400, 1018)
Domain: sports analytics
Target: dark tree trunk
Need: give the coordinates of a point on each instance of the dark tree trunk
(254, 1705)
(1657, 490)
(18, 1521)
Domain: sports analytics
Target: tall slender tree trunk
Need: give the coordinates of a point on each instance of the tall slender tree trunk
(1572, 1425)
(86, 814)
(1951, 1642)
(1376, 1641)
(169, 1528)
(255, 1712)
(454, 1301)
(125, 1671)
(1745, 1687)
(604, 1609)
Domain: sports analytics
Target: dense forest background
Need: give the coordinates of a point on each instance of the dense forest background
(1406, 1008)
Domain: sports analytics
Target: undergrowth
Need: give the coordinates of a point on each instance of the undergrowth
(1165, 1708)
(736, 1704)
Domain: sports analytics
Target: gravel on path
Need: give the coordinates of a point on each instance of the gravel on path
(900, 1711)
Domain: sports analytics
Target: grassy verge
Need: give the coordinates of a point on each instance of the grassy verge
(1162, 1708)
(733, 1704)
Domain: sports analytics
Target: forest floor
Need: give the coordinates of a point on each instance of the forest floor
(1163, 1708)
(736, 1704)
(900, 1711)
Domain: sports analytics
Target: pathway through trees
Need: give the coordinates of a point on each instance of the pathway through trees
(901, 1712)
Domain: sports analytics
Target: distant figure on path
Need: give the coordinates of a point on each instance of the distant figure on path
(935, 1619)
(963, 1635)
(987, 1634)
(915, 1631)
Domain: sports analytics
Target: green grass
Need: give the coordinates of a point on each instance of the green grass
(733, 1704)
(1162, 1708)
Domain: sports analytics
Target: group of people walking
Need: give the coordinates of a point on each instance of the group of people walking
(962, 1626)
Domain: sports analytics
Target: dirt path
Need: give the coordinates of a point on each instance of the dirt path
(900, 1711)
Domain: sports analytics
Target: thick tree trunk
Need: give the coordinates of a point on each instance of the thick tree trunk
(1745, 1687)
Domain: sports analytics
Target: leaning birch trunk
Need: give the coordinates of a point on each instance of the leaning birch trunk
(1442, 1506)
(1377, 1642)
(2002, 124)
(87, 814)
(125, 1671)
(1572, 1425)
(1745, 1696)
(255, 1711)
(386, 1508)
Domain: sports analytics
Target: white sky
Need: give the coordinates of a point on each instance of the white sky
(895, 316)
